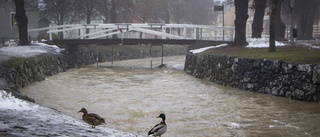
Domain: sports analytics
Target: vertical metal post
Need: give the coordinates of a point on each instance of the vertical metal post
(97, 58)
(162, 55)
(150, 56)
(112, 55)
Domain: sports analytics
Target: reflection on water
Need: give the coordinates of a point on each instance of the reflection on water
(129, 95)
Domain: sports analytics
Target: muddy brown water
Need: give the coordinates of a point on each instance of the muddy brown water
(129, 95)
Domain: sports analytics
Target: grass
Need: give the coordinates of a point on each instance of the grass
(16, 61)
(290, 54)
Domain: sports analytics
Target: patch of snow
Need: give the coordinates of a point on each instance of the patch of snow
(11, 42)
(53, 48)
(21, 118)
(195, 51)
(9, 102)
(315, 47)
(261, 43)
(30, 50)
(221, 1)
(310, 43)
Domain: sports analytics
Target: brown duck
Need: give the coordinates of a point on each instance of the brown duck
(91, 118)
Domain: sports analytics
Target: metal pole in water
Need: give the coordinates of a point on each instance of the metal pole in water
(162, 55)
(112, 56)
(150, 56)
(97, 59)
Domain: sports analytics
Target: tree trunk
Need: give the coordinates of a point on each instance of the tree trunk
(113, 15)
(305, 12)
(257, 25)
(280, 29)
(311, 14)
(240, 22)
(272, 43)
(22, 20)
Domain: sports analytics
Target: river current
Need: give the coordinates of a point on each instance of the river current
(130, 95)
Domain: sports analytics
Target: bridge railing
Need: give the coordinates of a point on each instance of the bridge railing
(140, 31)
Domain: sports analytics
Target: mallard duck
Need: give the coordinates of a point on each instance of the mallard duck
(160, 128)
(91, 118)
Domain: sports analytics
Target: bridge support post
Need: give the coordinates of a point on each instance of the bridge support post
(161, 55)
(97, 58)
(150, 54)
(112, 55)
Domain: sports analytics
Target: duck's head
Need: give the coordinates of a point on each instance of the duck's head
(163, 116)
(83, 110)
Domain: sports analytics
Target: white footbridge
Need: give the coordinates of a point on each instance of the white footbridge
(139, 31)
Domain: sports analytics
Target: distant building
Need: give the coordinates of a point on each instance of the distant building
(229, 18)
(8, 24)
(43, 22)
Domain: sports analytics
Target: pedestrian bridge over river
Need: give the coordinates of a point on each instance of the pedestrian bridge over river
(127, 33)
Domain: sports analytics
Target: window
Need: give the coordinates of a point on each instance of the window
(13, 20)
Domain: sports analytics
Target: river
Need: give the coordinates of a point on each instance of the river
(130, 95)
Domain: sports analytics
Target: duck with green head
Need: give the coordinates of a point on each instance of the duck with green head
(160, 128)
(91, 118)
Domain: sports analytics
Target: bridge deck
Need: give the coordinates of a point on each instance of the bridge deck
(133, 41)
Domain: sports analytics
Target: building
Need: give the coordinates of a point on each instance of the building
(8, 25)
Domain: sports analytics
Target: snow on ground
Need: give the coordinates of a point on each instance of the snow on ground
(221, 1)
(195, 51)
(261, 43)
(21, 118)
(30, 50)
(310, 43)
(253, 43)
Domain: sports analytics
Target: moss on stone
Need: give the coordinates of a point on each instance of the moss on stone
(16, 61)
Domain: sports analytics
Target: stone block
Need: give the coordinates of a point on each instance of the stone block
(316, 75)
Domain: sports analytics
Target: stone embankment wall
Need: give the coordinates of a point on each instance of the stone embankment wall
(296, 81)
(21, 72)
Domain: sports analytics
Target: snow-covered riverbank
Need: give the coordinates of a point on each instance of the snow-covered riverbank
(21, 118)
